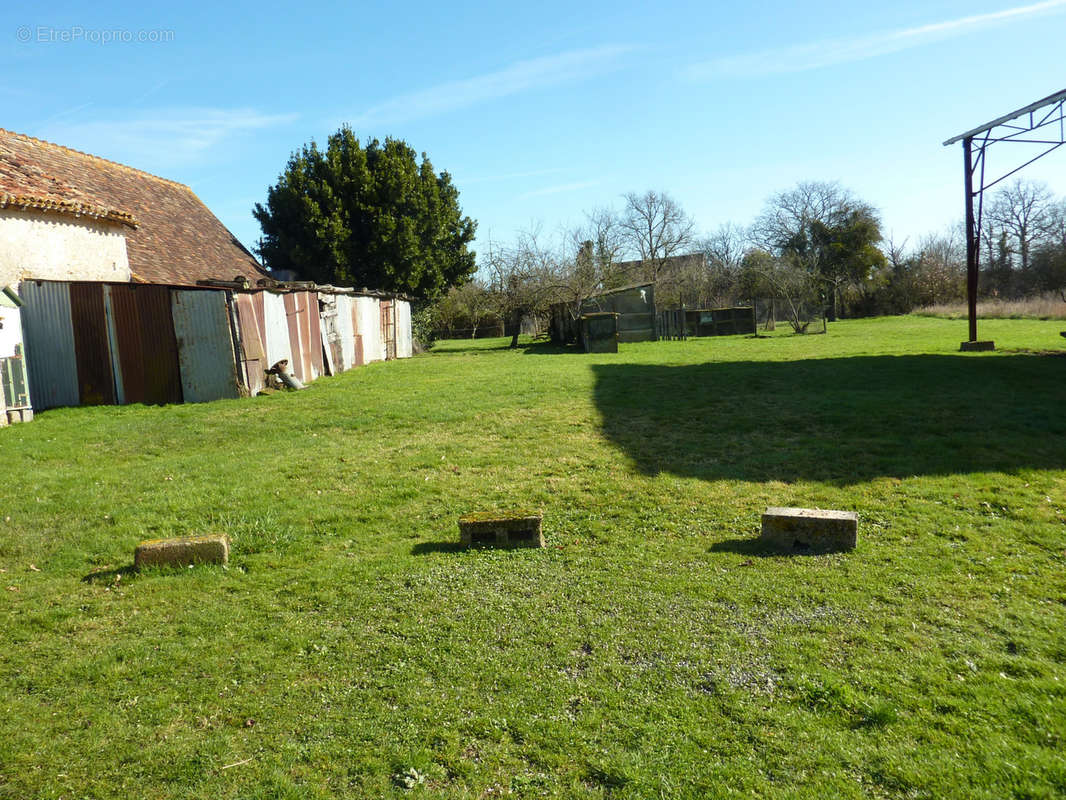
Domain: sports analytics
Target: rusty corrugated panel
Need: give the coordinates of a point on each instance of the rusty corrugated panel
(205, 345)
(292, 319)
(49, 338)
(96, 383)
(254, 353)
(258, 305)
(313, 340)
(388, 329)
(147, 347)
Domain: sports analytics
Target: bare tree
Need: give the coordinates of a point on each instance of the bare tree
(825, 230)
(938, 271)
(655, 228)
(603, 228)
(1022, 210)
(723, 253)
(525, 277)
(787, 214)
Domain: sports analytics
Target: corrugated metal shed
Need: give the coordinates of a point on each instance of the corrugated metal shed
(49, 336)
(205, 345)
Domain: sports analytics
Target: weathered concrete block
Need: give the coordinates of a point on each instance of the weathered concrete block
(810, 529)
(500, 529)
(977, 347)
(182, 551)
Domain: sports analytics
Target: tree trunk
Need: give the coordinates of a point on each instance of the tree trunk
(516, 321)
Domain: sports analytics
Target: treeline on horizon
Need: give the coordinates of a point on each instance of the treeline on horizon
(815, 247)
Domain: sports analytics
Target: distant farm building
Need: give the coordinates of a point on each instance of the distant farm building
(131, 290)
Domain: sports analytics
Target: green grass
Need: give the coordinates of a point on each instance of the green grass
(650, 650)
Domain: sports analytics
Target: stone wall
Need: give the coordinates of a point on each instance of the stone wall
(57, 247)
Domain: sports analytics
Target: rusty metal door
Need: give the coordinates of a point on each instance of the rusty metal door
(253, 351)
(147, 348)
(96, 382)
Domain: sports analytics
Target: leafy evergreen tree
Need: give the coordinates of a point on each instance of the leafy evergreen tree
(367, 216)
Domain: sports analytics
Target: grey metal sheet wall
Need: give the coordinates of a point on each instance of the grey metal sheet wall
(49, 338)
(205, 345)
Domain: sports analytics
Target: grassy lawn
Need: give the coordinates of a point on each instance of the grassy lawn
(650, 650)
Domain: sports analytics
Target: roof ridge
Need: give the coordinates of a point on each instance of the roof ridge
(26, 136)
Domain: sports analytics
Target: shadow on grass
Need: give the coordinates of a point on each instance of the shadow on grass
(110, 575)
(841, 421)
(424, 548)
(487, 345)
(550, 349)
(756, 548)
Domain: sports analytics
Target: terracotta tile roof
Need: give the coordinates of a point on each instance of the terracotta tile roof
(171, 236)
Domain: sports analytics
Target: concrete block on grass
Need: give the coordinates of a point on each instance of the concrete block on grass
(182, 551)
(977, 347)
(809, 529)
(501, 529)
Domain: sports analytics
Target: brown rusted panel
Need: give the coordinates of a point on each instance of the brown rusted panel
(162, 374)
(253, 347)
(147, 349)
(251, 337)
(292, 318)
(128, 339)
(259, 304)
(96, 385)
(310, 335)
(359, 360)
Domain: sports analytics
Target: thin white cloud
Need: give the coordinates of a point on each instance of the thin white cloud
(563, 187)
(801, 57)
(162, 139)
(513, 176)
(518, 77)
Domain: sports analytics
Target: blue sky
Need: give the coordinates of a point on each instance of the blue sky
(545, 110)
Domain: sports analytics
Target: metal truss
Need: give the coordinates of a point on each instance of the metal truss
(1042, 124)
